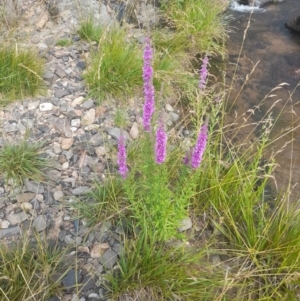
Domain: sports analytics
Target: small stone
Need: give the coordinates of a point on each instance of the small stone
(65, 165)
(46, 106)
(185, 224)
(34, 187)
(109, 259)
(169, 108)
(25, 197)
(4, 225)
(116, 132)
(10, 231)
(101, 151)
(66, 143)
(75, 122)
(57, 148)
(71, 280)
(77, 101)
(60, 93)
(174, 117)
(88, 104)
(17, 218)
(94, 295)
(40, 223)
(42, 21)
(48, 76)
(96, 140)
(88, 117)
(80, 190)
(134, 131)
(58, 195)
(33, 105)
(26, 206)
(69, 240)
(62, 125)
(60, 73)
(98, 250)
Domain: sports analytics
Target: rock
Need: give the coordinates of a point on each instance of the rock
(48, 76)
(10, 231)
(98, 250)
(108, 259)
(185, 224)
(76, 122)
(26, 206)
(80, 190)
(134, 131)
(96, 140)
(294, 24)
(25, 197)
(58, 195)
(88, 104)
(169, 108)
(33, 105)
(40, 223)
(66, 143)
(60, 93)
(43, 20)
(116, 132)
(88, 117)
(70, 281)
(69, 240)
(101, 151)
(62, 125)
(4, 224)
(60, 73)
(46, 106)
(174, 117)
(77, 101)
(17, 218)
(34, 187)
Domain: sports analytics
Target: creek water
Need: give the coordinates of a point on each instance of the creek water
(277, 52)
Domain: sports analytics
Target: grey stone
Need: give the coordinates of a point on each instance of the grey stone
(60, 73)
(17, 218)
(116, 132)
(48, 76)
(40, 223)
(34, 187)
(9, 128)
(62, 235)
(80, 190)
(69, 240)
(88, 104)
(185, 224)
(60, 93)
(58, 195)
(62, 125)
(109, 259)
(10, 231)
(71, 279)
(173, 116)
(119, 249)
(96, 140)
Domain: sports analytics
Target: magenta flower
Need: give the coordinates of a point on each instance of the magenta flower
(160, 144)
(123, 170)
(203, 73)
(199, 147)
(148, 86)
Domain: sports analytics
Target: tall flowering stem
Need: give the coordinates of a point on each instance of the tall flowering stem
(148, 86)
(160, 144)
(122, 156)
(199, 147)
(203, 73)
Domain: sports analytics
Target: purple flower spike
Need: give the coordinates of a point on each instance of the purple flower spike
(148, 86)
(160, 145)
(123, 170)
(200, 147)
(203, 73)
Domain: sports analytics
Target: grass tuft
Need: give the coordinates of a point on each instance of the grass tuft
(21, 72)
(20, 161)
(28, 270)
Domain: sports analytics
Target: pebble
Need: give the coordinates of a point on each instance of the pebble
(4, 224)
(66, 143)
(88, 117)
(185, 224)
(71, 279)
(46, 106)
(134, 131)
(40, 223)
(34, 187)
(80, 190)
(17, 218)
(108, 259)
(58, 195)
(25, 197)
